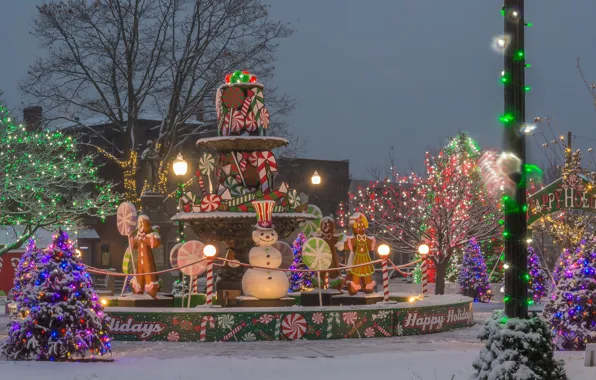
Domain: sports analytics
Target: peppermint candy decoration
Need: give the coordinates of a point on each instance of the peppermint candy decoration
(310, 227)
(318, 318)
(264, 118)
(191, 252)
(230, 182)
(350, 318)
(126, 218)
(293, 198)
(206, 163)
(232, 97)
(293, 326)
(251, 122)
(316, 254)
(369, 332)
(237, 122)
(226, 321)
(253, 159)
(265, 319)
(173, 336)
(210, 203)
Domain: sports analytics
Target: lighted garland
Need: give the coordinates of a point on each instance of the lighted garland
(239, 76)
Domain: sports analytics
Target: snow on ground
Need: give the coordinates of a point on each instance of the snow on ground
(441, 356)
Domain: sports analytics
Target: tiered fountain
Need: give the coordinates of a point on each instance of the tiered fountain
(236, 168)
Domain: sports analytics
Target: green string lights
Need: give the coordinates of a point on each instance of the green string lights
(45, 182)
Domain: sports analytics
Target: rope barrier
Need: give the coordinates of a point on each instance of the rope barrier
(396, 267)
(342, 267)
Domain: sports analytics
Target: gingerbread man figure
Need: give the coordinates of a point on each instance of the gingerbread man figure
(146, 239)
(328, 234)
(360, 245)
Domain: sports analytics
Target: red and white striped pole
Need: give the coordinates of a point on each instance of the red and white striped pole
(383, 251)
(209, 301)
(424, 276)
(209, 251)
(385, 279)
(423, 250)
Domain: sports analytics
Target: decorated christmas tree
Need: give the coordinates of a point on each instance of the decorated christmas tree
(454, 267)
(571, 310)
(299, 281)
(62, 316)
(563, 262)
(538, 276)
(22, 273)
(473, 278)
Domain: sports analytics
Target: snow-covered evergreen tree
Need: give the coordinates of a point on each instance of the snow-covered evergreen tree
(454, 267)
(180, 287)
(22, 272)
(517, 349)
(571, 310)
(299, 281)
(473, 277)
(63, 318)
(539, 279)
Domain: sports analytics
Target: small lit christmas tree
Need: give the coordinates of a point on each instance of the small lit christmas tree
(538, 276)
(299, 281)
(63, 318)
(473, 278)
(571, 310)
(22, 273)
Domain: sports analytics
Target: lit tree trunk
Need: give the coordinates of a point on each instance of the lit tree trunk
(440, 276)
(129, 168)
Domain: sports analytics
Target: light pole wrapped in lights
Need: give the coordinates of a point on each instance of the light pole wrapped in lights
(384, 251)
(209, 251)
(423, 250)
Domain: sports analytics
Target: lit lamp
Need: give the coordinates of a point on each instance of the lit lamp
(423, 250)
(383, 250)
(209, 252)
(180, 167)
(316, 181)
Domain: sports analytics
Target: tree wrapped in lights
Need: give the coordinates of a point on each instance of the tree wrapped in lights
(63, 318)
(27, 264)
(566, 258)
(571, 310)
(299, 281)
(46, 183)
(447, 208)
(473, 278)
(538, 276)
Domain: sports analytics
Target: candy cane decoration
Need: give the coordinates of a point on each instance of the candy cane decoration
(277, 327)
(206, 319)
(234, 331)
(385, 279)
(329, 325)
(424, 273)
(355, 328)
(326, 286)
(267, 337)
(381, 329)
(209, 282)
(266, 163)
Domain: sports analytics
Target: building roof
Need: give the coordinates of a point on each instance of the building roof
(103, 120)
(42, 237)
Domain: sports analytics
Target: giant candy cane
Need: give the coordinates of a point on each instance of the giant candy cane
(206, 319)
(266, 164)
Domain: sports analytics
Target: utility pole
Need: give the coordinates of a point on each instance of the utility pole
(516, 285)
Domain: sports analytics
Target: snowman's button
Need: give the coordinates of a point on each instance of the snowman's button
(267, 262)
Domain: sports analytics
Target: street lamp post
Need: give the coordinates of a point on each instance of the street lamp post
(423, 250)
(180, 167)
(316, 181)
(514, 119)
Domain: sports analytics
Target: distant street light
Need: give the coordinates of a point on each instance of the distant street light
(316, 181)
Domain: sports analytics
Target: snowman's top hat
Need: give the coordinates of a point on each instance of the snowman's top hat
(264, 210)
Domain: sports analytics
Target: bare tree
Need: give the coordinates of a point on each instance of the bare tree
(446, 209)
(120, 58)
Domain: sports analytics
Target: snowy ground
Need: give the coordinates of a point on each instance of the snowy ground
(429, 357)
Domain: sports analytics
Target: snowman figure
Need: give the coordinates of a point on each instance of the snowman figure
(262, 283)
